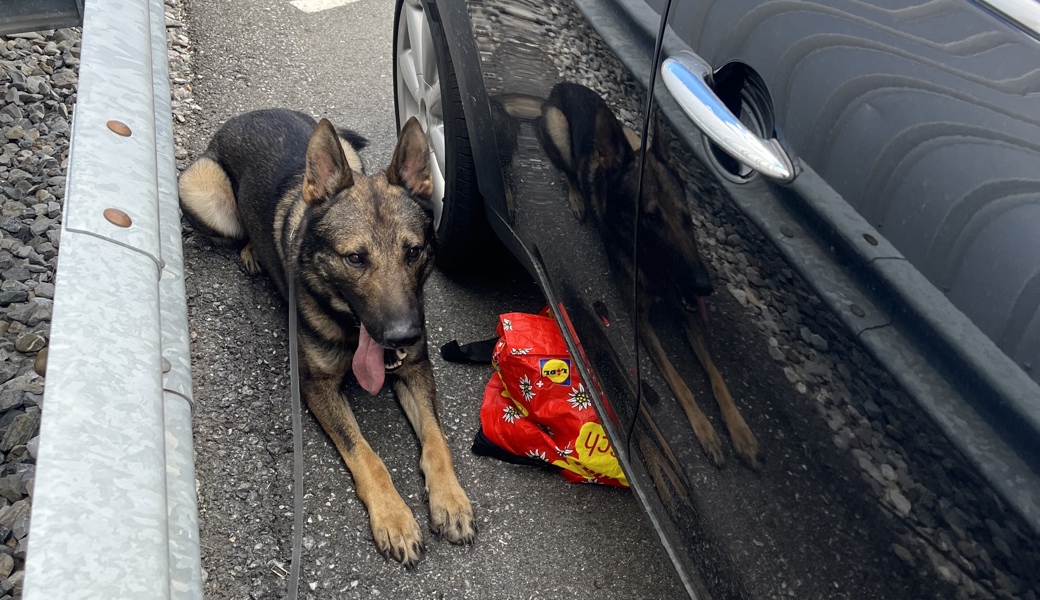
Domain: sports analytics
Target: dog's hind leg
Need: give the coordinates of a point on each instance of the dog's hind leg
(702, 428)
(249, 260)
(743, 440)
(208, 200)
(394, 528)
(451, 514)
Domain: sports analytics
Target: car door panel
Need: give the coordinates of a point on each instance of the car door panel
(585, 262)
(922, 118)
(751, 532)
(893, 121)
(885, 103)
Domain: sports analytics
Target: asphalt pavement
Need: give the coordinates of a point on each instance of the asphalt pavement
(539, 536)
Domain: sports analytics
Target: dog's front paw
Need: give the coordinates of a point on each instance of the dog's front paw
(396, 533)
(745, 443)
(709, 441)
(451, 514)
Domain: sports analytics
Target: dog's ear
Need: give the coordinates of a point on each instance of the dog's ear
(327, 171)
(410, 167)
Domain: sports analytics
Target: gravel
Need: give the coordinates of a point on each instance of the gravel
(38, 72)
(179, 51)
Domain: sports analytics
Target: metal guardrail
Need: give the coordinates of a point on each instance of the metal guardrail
(114, 510)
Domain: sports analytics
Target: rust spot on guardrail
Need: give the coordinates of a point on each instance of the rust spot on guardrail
(119, 128)
(117, 217)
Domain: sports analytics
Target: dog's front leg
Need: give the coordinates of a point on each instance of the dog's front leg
(743, 440)
(702, 428)
(393, 527)
(451, 514)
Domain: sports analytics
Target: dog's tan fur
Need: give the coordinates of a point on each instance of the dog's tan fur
(210, 196)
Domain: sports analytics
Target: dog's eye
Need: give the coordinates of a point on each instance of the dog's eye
(414, 252)
(356, 260)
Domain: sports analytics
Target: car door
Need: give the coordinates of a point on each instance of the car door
(567, 86)
(922, 118)
(822, 139)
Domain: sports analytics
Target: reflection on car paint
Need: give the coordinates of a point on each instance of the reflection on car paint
(522, 58)
(921, 91)
(798, 526)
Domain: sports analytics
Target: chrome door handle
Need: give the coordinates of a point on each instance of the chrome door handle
(688, 79)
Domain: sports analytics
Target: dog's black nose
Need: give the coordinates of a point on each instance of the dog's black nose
(402, 334)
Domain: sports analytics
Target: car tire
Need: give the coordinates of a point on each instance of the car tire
(463, 233)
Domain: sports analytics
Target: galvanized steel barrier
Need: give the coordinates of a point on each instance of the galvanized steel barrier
(114, 508)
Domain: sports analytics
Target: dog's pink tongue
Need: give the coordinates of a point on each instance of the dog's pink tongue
(368, 363)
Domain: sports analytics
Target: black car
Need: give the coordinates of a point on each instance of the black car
(858, 184)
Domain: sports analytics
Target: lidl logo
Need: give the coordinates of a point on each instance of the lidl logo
(558, 370)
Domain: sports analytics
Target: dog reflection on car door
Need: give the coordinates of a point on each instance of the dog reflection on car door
(356, 250)
(583, 138)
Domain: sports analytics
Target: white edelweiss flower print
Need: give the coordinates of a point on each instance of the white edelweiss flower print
(520, 351)
(564, 452)
(507, 325)
(526, 388)
(511, 414)
(578, 398)
(537, 455)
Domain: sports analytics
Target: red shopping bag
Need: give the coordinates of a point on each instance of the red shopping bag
(537, 410)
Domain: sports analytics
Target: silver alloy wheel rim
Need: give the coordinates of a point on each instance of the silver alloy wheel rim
(419, 90)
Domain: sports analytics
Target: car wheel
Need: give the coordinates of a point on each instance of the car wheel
(425, 87)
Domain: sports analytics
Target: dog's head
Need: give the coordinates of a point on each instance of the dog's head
(369, 241)
(669, 256)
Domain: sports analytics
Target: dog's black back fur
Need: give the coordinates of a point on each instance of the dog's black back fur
(264, 155)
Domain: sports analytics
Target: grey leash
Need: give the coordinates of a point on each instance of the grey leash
(294, 378)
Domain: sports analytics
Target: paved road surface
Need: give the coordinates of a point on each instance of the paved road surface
(540, 537)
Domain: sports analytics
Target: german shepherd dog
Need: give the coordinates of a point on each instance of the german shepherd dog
(584, 140)
(356, 250)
